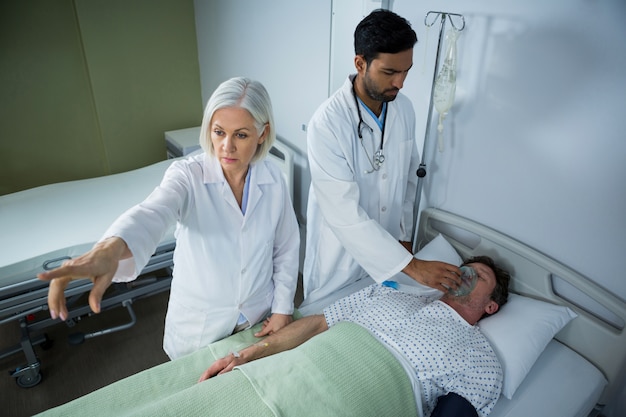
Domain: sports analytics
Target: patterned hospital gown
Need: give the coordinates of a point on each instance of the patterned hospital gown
(446, 353)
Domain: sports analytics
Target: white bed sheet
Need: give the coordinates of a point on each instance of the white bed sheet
(43, 226)
(65, 219)
(49, 222)
(560, 384)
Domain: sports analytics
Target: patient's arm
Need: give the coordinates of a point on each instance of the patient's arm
(286, 338)
(99, 264)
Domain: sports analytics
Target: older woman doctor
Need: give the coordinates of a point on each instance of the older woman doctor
(237, 240)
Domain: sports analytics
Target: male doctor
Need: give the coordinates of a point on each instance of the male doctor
(363, 160)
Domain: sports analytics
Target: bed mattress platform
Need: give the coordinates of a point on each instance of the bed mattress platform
(46, 225)
(43, 226)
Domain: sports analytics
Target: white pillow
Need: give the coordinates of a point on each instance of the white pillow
(439, 249)
(519, 332)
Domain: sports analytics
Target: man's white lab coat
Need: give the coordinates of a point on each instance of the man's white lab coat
(355, 219)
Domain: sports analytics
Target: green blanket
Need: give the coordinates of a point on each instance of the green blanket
(341, 372)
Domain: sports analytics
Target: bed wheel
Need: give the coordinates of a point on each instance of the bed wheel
(28, 380)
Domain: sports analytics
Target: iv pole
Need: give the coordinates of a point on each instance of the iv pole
(421, 171)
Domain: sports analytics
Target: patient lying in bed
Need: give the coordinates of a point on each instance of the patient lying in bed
(414, 347)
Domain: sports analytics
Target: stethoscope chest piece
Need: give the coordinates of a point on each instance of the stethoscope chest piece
(379, 157)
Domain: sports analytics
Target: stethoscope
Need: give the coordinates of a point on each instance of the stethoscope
(379, 157)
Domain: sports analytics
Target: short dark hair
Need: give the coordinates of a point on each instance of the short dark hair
(500, 292)
(383, 31)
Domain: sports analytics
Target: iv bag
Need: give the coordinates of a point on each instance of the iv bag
(445, 83)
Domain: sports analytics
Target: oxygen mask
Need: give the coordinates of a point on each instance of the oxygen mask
(468, 282)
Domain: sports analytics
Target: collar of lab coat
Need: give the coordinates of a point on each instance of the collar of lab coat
(213, 172)
(260, 174)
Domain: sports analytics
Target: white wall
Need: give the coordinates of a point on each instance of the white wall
(287, 46)
(346, 15)
(281, 43)
(534, 144)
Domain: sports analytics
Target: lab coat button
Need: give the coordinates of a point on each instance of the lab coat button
(243, 271)
(383, 209)
(384, 176)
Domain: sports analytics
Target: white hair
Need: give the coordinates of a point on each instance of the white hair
(246, 94)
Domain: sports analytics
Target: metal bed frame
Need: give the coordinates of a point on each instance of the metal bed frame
(21, 302)
(24, 297)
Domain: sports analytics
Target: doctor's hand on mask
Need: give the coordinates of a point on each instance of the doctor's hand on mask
(99, 265)
(439, 275)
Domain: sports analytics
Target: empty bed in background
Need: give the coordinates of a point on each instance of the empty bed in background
(43, 226)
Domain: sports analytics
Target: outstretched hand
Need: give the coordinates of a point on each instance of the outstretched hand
(99, 265)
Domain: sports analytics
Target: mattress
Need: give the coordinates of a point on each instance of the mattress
(41, 227)
(44, 225)
(561, 383)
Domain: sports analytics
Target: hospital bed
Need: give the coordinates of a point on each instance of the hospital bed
(43, 226)
(560, 339)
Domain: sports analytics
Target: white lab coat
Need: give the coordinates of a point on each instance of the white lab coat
(225, 263)
(355, 220)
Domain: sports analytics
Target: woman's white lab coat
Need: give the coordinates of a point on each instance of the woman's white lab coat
(225, 263)
(356, 218)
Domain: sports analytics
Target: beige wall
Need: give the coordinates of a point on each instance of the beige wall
(87, 87)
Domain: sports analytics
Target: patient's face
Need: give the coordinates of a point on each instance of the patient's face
(235, 139)
(485, 284)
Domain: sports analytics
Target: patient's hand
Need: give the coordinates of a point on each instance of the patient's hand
(274, 323)
(286, 338)
(99, 264)
(221, 366)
